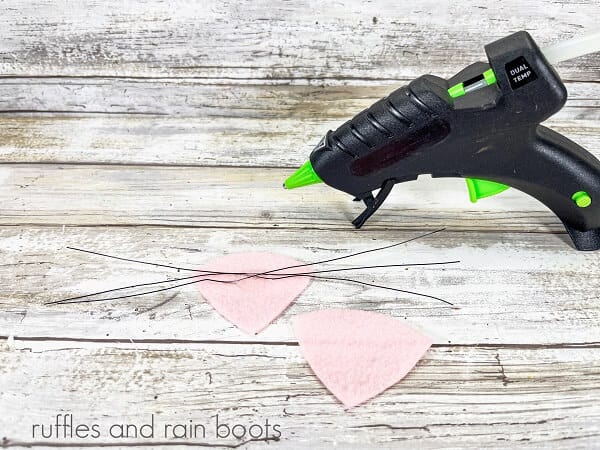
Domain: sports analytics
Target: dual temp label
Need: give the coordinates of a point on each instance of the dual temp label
(519, 72)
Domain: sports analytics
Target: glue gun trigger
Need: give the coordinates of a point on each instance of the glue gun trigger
(373, 203)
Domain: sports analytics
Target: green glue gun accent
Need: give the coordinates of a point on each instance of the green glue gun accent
(304, 176)
(479, 189)
(483, 125)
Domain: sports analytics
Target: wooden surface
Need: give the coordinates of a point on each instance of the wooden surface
(163, 130)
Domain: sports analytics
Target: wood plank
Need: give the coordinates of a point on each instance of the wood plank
(275, 40)
(196, 98)
(186, 122)
(244, 197)
(456, 396)
(510, 288)
(96, 97)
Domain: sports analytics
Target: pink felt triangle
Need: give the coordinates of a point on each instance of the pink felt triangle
(254, 303)
(358, 354)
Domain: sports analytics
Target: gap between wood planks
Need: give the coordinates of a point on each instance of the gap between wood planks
(242, 81)
(58, 339)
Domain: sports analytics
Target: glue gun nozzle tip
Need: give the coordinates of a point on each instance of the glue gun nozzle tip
(304, 176)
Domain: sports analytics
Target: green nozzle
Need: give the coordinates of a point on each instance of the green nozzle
(304, 176)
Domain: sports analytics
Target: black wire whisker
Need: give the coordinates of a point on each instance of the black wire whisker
(270, 274)
(364, 283)
(274, 276)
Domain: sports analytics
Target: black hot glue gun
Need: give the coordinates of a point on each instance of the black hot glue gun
(483, 124)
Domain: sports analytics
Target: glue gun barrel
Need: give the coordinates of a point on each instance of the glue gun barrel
(304, 176)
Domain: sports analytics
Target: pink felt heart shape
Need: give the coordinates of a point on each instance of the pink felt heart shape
(253, 303)
(358, 354)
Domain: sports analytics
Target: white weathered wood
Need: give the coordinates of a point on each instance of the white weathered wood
(244, 197)
(184, 122)
(274, 40)
(456, 397)
(510, 288)
(250, 85)
(196, 98)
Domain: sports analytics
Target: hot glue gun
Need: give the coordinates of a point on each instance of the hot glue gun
(483, 124)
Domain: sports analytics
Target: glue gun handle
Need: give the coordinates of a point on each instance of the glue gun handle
(554, 169)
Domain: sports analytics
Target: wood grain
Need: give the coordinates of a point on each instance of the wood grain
(244, 198)
(302, 40)
(185, 122)
(456, 396)
(162, 130)
(549, 297)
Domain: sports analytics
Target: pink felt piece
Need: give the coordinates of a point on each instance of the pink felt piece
(358, 354)
(253, 303)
